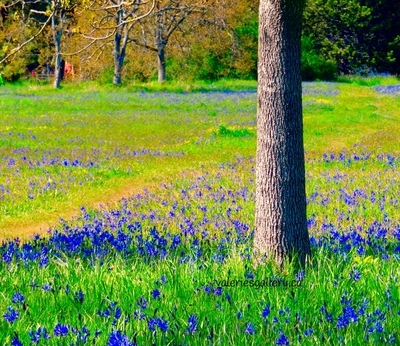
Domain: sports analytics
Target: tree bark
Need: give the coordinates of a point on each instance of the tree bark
(120, 43)
(116, 53)
(281, 222)
(161, 63)
(57, 33)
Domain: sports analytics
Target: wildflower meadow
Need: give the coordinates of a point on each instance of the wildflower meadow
(127, 217)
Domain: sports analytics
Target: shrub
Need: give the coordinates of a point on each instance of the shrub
(313, 66)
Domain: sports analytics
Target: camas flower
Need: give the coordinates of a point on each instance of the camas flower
(266, 311)
(142, 302)
(250, 329)
(355, 275)
(79, 296)
(11, 315)
(282, 340)
(192, 324)
(160, 323)
(119, 339)
(308, 332)
(16, 341)
(156, 294)
(18, 298)
(61, 329)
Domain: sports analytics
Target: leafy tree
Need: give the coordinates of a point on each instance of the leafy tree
(385, 30)
(359, 35)
(313, 65)
(281, 225)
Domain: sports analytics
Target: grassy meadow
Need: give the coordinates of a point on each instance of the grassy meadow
(126, 217)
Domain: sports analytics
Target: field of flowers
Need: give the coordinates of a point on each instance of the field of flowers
(170, 264)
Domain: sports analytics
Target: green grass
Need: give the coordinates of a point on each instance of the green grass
(184, 157)
(369, 81)
(171, 127)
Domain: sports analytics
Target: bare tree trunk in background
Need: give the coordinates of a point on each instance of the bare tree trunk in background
(161, 63)
(57, 33)
(281, 221)
(120, 43)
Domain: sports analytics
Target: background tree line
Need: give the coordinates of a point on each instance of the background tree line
(117, 40)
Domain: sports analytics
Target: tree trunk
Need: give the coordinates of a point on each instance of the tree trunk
(119, 50)
(281, 225)
(118, 62)
(161, 63)
(57, 33)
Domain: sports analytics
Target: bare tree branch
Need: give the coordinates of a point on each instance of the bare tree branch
(17, 49)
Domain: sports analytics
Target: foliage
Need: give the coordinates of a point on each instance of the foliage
(226, 132)
(361, 36)
(314, 66)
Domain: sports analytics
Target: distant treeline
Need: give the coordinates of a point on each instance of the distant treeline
(142, 40)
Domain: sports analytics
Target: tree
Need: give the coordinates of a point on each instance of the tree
(361, 36)
(281, 224)
(113, 22)
(55, 13)
(167, 17)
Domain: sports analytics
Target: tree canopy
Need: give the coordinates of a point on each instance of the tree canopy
(208, 39)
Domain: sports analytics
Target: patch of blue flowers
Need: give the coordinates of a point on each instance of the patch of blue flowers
(201, 225)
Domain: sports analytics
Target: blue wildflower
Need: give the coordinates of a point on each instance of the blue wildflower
(249, 275)
(61, 329)
(208, 289)
(79, 296)
(138, 314)
(46, 287)
(379, 327)
(308, 332)
(18, 298)
(156, 294)
(142, 302)
(348, 316)
(119, 339)
(250, 329)
(162, 324)
(266, 311)
(118, 313)
(151, 324)
(361, 251)
(355, 275)
(36, 335)
(16, 341)
(192, 324)
(240, 315)
(300, 275)
(282, 340)
(158, 322)
(11, 315)
(218, 291)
